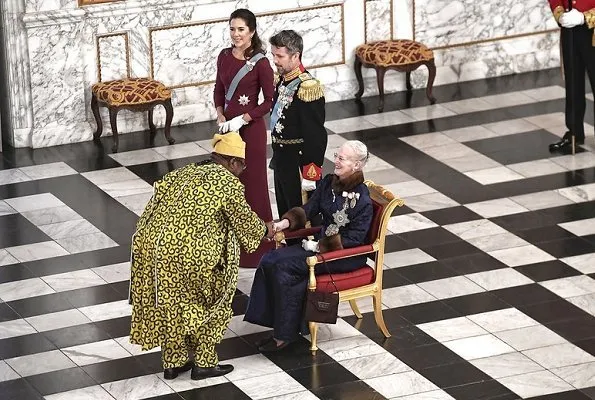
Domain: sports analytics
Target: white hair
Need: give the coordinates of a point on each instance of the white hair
(360, 150)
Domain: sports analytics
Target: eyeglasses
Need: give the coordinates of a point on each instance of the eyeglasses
(343, 159)
(340, 158)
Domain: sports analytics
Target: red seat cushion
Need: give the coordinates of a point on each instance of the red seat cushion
(348, 280)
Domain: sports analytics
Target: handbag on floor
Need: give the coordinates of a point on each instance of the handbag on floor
(321, 306)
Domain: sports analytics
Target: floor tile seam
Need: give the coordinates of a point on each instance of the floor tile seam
(332, 360)
(448, 87)
(467, 122)
(420, 371)
(445, 162)
(64, 293)
(559, 376)
(446, 104)
(558, 367)
(34, 179)
(68, 309)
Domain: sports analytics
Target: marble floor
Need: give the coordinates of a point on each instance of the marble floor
(489, 288)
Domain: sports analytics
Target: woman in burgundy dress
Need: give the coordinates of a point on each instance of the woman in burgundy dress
(237, 107)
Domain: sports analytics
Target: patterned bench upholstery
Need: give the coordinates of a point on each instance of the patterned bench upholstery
(135, 94)
(390, 53)
(131, 91)
(400, 54)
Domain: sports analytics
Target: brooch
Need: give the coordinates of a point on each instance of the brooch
(244, 100)
(250, 65)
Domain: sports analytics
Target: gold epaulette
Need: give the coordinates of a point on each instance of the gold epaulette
(276, 79)
(558, 11)
(590, 18)
(310, 90)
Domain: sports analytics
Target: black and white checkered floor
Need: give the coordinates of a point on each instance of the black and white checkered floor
(489, 277)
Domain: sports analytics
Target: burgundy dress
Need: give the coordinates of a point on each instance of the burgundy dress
(245, 100)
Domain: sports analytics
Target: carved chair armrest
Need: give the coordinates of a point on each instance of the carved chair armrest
(298, 233)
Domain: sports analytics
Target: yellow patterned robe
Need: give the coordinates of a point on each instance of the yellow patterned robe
(185, 256)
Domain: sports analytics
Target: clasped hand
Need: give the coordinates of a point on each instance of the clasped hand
(572, 18)
(274, 227)
(233, 125)
(310, 245)
(308, 185)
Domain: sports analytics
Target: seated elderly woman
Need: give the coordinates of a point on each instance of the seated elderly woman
(280, 282)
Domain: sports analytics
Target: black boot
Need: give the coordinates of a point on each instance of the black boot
(202, 373)
(565, 142)
(171, 373)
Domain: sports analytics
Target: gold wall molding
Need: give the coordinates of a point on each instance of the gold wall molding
(392, 22)
(90, 2)
(98, 39)
(476, 42)
(265, 14)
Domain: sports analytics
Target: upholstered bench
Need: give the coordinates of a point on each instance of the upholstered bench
(135, 94)
(401, 55)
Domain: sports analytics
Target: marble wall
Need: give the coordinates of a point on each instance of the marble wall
(57, 50)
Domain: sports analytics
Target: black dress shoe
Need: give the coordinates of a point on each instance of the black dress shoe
(202, 373)
(272, 346)
(171, 373)
(566, 141)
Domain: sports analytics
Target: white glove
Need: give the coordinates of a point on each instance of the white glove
(572, 18)
(308, 185)
(233, 125)
(310, 245)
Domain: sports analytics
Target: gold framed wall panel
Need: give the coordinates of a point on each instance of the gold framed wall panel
(392, 22)
(262, 30)
(126, 50)
(473, 42)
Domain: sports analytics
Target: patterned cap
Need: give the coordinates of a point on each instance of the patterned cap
(229, 144)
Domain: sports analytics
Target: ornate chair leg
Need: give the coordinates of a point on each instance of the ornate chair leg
(95, 109)
(408, 81)
(380, 71)
(431, 76)
(357, 66)
(313, 336)
(378, 315)
(169, 116)
(113, 118)
(355, 309)
(151, 123)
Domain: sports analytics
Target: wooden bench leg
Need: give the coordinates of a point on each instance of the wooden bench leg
(113, 118)
(357, 66)
(380, 71)
(151, 123)
(169, 116)
(95, 109)
(431, 76)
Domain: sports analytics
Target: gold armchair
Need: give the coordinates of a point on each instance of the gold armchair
(363, 282)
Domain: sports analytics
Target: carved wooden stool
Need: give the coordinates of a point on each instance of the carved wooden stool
(134, 94)
(401, 55)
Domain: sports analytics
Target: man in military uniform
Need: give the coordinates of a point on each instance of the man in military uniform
(297, 123)
(577, 20)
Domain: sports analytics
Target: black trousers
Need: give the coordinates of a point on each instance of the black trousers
(578, 56)
(288, 185)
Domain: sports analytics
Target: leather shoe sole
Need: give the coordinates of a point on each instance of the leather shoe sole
(171, 373)
(202, 373)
